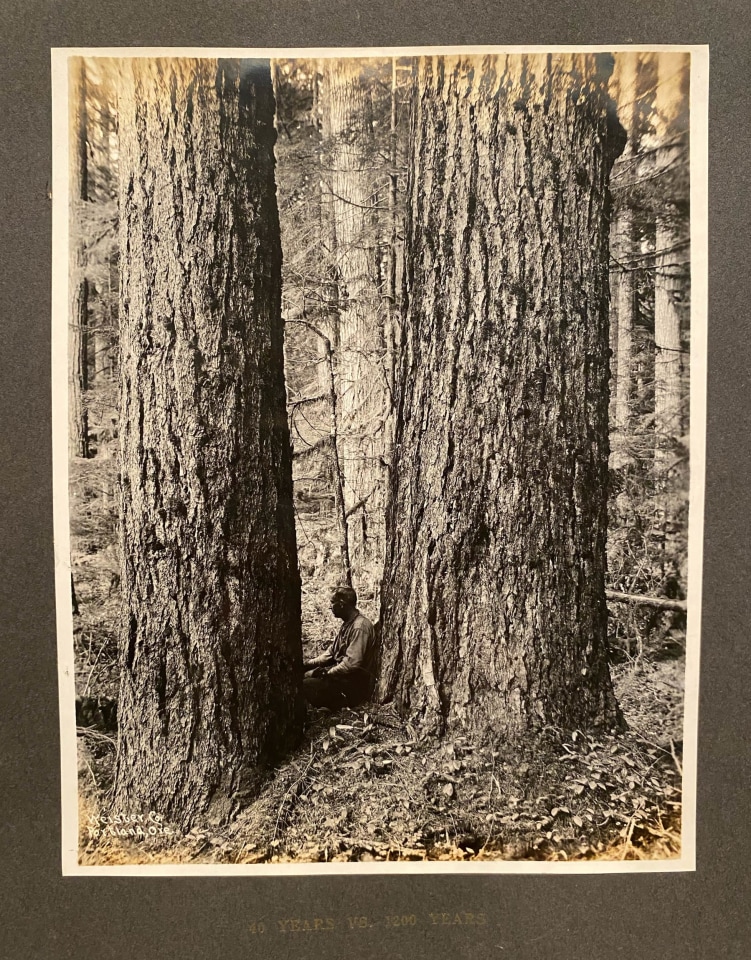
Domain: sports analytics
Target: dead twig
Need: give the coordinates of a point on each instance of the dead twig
(629, 834)
(677, 762)
(290, 792)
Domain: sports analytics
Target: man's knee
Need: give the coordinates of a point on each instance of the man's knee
(314, 691)
(322, 692)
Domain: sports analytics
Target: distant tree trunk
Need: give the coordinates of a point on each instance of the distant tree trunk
(623, 289)
(327, 339)
(102, 367)
(361, 381)
(670, 288)
(328, 230)
(78, 425)
(394, 255)
(668, 356)
(211, 650)
(668, 283)
(332, 447)
(338, 476)
(622, 326)
(493, 600)
(104, 329)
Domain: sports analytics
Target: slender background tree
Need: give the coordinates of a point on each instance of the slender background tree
(647, 546)
(362, 387)
(78, 427)
(342, 139)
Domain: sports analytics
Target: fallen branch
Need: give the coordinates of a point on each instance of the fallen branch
(647, 601)
(629, 834)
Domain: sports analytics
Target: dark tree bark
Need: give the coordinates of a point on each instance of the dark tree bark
(494, 611)
(211, 650)
(394, 260)
(78, 425)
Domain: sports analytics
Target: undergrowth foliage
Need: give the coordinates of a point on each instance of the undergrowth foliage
(365, 787)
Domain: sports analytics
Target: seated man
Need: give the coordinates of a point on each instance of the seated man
(345, 674)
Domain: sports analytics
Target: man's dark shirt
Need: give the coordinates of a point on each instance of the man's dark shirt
(353, 653)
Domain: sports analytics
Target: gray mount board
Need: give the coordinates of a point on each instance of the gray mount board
(643, 916)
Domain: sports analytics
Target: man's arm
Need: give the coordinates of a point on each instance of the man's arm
(322, 660)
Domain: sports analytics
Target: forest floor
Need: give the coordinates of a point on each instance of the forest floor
(363, 787)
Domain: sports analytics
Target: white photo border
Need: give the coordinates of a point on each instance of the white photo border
(699, 105)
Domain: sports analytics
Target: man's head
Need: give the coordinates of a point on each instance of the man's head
(343, 602)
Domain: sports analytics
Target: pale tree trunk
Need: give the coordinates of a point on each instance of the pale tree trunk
(332, 445)
(327, 339)
(668, 356)
(78, 427)
(102, 365)
(211, 658)
(622, 286)
(106, 334)
(361, 379)
(622, 328)
(668, 283)
(494, 613)
(670, 286)
(336, 467)
(328, 210)
(394, 257)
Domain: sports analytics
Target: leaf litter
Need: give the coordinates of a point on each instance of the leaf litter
(364, 786)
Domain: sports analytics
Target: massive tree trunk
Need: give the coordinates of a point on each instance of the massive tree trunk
(211, 649)
(360, 352)
(493, 603)
(78, 427)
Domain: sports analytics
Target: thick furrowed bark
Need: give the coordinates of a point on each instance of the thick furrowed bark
(493, 599)
(211, 650)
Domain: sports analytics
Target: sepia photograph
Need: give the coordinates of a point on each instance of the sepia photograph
(379, 427)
